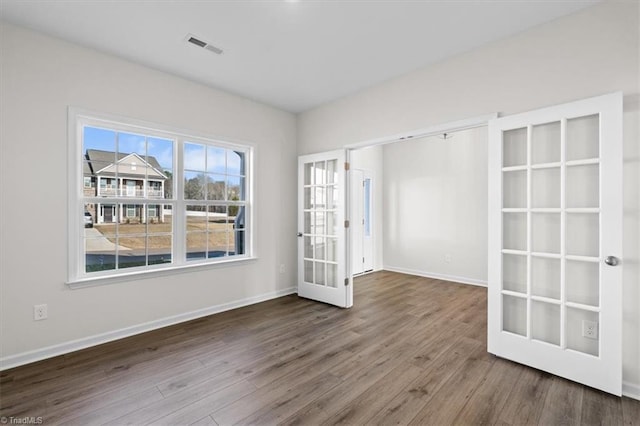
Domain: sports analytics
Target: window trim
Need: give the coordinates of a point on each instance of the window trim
(76, 276)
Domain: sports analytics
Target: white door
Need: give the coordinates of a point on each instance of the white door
(367, 222)
(361, 231)
(322, 229)
(357, 219)
(555, 240)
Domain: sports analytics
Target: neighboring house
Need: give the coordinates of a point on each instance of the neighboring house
(127, 175)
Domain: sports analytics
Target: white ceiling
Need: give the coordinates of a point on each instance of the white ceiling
(294, 55)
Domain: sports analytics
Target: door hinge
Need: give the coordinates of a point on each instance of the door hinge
(346, 165)
(346, 223)
(346, 281)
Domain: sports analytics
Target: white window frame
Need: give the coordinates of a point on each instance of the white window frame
(77, 276)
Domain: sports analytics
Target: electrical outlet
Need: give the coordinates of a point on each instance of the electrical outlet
(447, 258)
(590, 329)
(39, 312)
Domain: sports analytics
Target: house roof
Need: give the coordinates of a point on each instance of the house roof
(98, 160)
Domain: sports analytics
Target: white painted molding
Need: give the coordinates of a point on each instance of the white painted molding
(87, 342)
(444, 277)
(631, 390)
(450, 127)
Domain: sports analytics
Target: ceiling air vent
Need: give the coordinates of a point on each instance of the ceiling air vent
(200, 43)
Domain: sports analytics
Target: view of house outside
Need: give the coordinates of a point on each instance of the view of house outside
(127, 176)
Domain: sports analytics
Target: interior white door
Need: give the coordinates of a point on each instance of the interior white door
(367, 222)
(323, 273)
(357, 219)
(555, 239)
(361, 230)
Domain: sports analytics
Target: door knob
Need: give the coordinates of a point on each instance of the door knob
(299, 234)
(611, 260)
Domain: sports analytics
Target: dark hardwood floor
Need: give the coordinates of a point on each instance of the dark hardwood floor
(411, 351)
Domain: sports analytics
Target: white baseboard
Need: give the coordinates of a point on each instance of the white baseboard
(86, 342)
(444, 277)
(631, 390)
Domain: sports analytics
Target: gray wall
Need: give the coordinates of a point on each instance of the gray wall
(435, 208)
(40, 78)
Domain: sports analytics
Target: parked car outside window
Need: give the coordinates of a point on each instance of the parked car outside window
(88, 220)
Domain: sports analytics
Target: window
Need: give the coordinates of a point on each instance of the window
(163, 200)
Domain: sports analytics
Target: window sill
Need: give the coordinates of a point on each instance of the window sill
(155, 273)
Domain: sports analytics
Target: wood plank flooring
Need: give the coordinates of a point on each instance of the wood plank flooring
(411, 351)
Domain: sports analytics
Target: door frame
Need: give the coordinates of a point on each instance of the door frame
(432, 130)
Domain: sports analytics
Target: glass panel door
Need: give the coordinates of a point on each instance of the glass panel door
(551, 229)
(322, 235)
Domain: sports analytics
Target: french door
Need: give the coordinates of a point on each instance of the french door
(555, 240)
(322, 229)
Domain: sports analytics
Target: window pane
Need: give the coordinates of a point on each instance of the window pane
(215, 187)
(577, 320)
(99, 241)
(514, 143)
(332, 248)
(160, 159)
(514, 231)
(514, 315)
(217, 218)
(514, 189)
(194, 157)
(94, 138)
(134, 219)
(196, 245)
(219, 243)
(132, 252)
(235, 163)
(196, 217)
(332, 173)
(320, 172)
(583, 137)
(545, 277)
(545, 143)
(235, 188)
(216, 160)
(197, 236)
(100, 254)
(129, 143)
(193, 186)
(545, 322)
(514, 273)
(308, 173)
(319, 243)
(159, 247)
(545, 232)
(545, 188)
